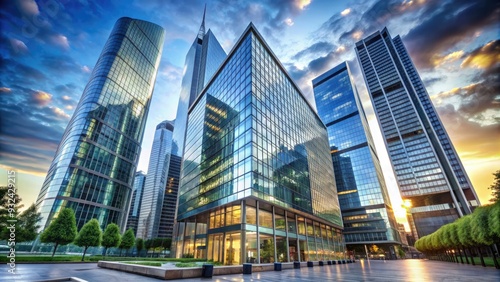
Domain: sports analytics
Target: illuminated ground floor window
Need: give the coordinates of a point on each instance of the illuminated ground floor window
(254, 231)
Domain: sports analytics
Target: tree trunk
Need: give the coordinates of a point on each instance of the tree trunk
(471, 257)
(105, 251)
(481, 256)
(465, 254)
(121, 252)
(55, 248)
(494, 257)
(84, 251)
(460, 254)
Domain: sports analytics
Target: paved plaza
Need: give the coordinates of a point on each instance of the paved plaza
(400, 270)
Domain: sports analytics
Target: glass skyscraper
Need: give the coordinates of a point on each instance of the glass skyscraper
(430, 175)
(156, 181)
(94, 165)
(257, 180)
(167, 218)
(366, 208)
(135, 204)
(202, 60)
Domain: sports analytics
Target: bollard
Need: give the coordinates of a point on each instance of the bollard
(321, 263)
(296, 264)
(247, 268)
(329, 262)
(310, 264)
(277, 266)
(343, 261)
(207, 270)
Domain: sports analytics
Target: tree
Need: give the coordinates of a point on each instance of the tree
(401, 252)
(464, 235)
(148, 244)
(10, 203)
(89, 236)
(495, 187)
(139, 244)
(494, 221)
(481, 230)
(166, 243)
(111, 237)
(128, 240)
(27, 223)
(61, 230)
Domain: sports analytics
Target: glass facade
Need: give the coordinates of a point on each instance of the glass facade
(366, 207)
(167, 218)
(156, 181)
(256, 160)
(428, 170)
(202, 60)
(135, 204)
(94, 166)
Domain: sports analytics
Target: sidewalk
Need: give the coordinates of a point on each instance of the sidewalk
(378, 271)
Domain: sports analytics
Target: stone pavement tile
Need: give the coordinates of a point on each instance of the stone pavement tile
(373, 271)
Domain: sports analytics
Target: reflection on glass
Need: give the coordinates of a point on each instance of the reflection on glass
(266, 249)
(251, 215)
(232, 248)
(251, 247)
(281, 249)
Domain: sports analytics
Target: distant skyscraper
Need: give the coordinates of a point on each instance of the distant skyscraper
(156, 181)
(430, 175)
(257, 179)
(135, 204)
(202, 60)
(167, 218)
(366, 207)
(94, 165)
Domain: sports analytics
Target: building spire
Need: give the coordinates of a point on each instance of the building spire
(201, 33)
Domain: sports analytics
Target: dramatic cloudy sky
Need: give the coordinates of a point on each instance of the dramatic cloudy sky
(49, 47)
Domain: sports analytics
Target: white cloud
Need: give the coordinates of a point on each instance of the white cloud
(302, 4)
(41, 98)
(61, 41)
(346, 12)
(59, 112)
(28, 7)
(86, 69)
(18, 46)
(289, 22)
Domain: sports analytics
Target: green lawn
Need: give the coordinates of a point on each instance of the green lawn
(487, 260)
(148, 263)
(77, 258)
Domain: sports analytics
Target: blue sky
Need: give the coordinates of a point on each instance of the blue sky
(49, 47)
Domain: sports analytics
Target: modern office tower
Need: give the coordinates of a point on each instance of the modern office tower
(156, 181)
(402, 234)
(431, 178)
(366, 208)
(257, 180)
(135, 204)
(202, 60)
(167, 218)
(94, 165)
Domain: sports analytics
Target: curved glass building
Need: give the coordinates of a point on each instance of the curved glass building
(94, 165)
